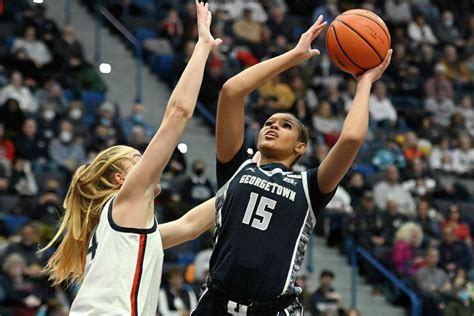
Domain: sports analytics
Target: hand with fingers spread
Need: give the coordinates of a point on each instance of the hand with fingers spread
(375, 73)
(304, 44)
(204, 18)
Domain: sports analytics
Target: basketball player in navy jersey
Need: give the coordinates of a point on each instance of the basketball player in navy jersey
(265, 215)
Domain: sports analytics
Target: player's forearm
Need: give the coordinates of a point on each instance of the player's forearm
(187, 89)
(252, 78)
(189, 226)
(356, 123)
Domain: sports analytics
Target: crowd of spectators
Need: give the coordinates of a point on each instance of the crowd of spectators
(408, 199)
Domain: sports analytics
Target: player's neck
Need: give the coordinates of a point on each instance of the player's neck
(267, 160)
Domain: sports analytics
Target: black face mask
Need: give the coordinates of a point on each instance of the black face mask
(198, 171)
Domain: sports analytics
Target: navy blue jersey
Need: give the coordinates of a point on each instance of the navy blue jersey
(265, 216)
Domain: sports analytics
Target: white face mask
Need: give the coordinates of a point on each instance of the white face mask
(448, 22)
(65, 137)
(75, 114)
(49, 115)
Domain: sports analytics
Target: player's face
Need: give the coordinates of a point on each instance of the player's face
(130, 164)
(279, 137)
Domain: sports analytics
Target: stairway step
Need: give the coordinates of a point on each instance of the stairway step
(325, 258)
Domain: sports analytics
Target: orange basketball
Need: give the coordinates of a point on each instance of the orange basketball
(357, 40)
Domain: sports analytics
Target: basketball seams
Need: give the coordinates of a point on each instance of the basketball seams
(362, 37)
(342, 49)
(376, 22)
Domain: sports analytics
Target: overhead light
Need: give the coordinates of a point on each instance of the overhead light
(183, 148)
(104, 67)
(38, 1)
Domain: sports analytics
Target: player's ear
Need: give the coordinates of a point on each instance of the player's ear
(300, 148)
(119, 178)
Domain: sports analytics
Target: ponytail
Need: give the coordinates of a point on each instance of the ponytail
(90, 189)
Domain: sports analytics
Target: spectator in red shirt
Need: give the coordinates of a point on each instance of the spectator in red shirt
(411, 150)
(453, 219)
(7, 149)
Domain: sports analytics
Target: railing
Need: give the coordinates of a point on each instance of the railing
(100, 13)
(356, 250)
(206, 114)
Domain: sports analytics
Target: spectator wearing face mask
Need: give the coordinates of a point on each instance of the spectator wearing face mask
(49, 208)
(48, 122)
(137, 117)
(446, 31)
(138, 139)
(75, 115)
(196, 187)
(65, 151)
(108, 116)
(462, 304)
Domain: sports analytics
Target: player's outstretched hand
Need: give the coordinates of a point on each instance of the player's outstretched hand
(204, 19)
(376, 73)
(307, 38)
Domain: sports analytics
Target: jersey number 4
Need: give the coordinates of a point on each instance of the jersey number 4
(261, 215)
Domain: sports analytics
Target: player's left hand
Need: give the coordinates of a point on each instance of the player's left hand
(304, 44)
(204, 19)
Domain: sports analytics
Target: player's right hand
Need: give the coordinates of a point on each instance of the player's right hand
(204, 18)
(376, 73)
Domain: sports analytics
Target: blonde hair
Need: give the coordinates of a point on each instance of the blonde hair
(11, 260)
(90, 189)
(405, 233)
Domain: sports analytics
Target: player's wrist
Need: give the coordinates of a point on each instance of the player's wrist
(204, 44)
(299, 54)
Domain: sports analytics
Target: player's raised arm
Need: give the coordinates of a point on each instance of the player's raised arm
(139, 186)
(230, 108)
(354, 131)
(189, 226)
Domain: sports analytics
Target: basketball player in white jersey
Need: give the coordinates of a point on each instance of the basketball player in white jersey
(109, 236)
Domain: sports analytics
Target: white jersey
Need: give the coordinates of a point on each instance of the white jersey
(123, 270)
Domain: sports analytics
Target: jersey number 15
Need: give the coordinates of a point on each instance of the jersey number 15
(261, 222)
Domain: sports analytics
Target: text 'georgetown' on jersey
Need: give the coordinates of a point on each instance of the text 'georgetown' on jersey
(269, 186)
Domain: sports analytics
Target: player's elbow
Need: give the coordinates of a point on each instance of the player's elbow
(182, 111)
(232, 88)
(353, 138)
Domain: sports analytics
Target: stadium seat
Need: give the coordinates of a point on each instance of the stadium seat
(8, 202)
(366, 170)
(162, 65)
(8, 41)
(91, 101)
(185, 259)
(69, 94)
(143, 34)
(14, 221)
